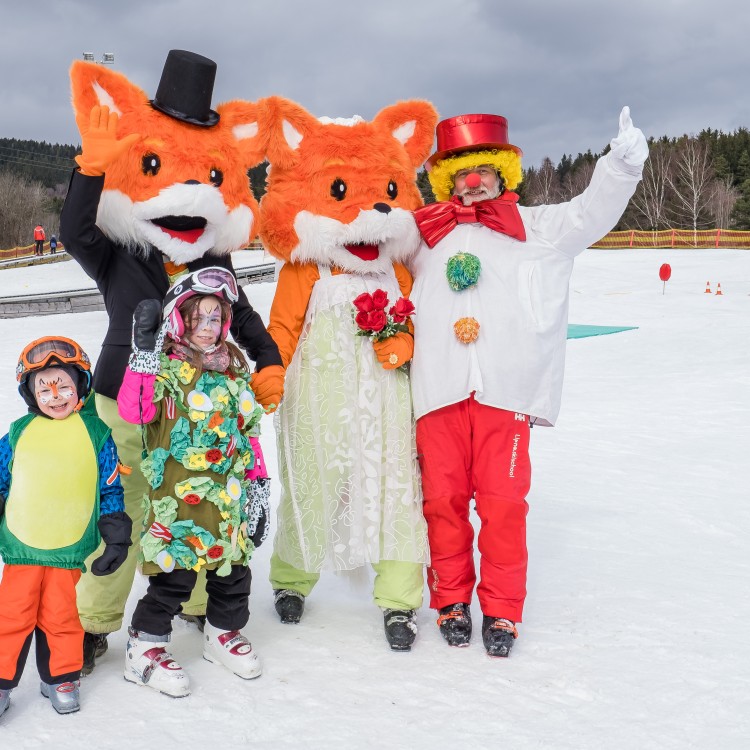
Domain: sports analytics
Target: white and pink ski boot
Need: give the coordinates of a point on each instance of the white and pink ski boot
(147, 662)
(231, 649)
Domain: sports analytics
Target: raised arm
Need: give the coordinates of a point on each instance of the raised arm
(573, 226)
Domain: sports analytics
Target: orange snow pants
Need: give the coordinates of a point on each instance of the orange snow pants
(39, 600)
(471, 450)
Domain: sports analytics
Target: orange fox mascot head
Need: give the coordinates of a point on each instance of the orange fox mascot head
(341, 192)
(181, 188)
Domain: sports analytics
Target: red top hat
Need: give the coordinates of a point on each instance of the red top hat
(470, 133)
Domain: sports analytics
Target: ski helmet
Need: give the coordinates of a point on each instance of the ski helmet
(53, 351)
(215, 280)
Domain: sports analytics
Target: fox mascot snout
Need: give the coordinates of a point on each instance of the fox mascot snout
(341, 192)
(176, 186)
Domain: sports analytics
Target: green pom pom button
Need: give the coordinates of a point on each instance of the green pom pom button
(462, 271)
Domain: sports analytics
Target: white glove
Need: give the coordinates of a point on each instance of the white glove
(630, 146)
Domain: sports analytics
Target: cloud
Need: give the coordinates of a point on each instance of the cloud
(560, 72)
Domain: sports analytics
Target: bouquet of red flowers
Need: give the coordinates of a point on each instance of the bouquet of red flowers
(373, 320)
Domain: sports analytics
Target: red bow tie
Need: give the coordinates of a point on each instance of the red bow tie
(499, 214)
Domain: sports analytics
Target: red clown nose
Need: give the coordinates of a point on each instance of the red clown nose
(473, 180)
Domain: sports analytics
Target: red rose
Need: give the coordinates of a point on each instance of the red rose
(364, 303)
(191, 499)
(401, 310)
(215, 552)
(362, 319)
(377, 320)
(379, 299)
(214, 455)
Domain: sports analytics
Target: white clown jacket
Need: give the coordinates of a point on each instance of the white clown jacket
(520, 302)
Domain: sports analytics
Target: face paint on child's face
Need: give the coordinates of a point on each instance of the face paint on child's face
(206, 323)
(55, 392)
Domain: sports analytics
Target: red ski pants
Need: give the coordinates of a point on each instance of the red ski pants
(470, 450)
(41, 600)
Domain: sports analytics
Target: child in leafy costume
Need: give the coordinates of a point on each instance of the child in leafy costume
(208, 504)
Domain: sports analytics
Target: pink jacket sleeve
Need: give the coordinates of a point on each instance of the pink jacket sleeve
(136, 393)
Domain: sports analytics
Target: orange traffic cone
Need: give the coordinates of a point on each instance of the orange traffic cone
(718, 289)
(708, 288)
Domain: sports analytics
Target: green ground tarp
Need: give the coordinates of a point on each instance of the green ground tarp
(581, 332)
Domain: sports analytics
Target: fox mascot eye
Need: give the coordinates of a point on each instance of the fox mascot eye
(216, 176)
(150, 164)
(392, 190)
(338, 189)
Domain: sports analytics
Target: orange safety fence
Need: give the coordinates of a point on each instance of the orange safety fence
(25, 250)
(677, 238)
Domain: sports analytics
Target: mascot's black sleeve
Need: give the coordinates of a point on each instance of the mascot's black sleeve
(247, 327)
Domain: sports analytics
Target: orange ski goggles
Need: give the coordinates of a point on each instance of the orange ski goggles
(49, 351)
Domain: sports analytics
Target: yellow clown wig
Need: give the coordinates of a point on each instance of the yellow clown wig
(507, 163)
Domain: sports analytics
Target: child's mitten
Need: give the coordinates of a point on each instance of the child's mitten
(148, 338)
(115, 529)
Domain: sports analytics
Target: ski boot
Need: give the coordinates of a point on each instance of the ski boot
(231, 649)
(198, 620)
(290, 605)
(4, 701)
(498, 635)
(63, 696)
(455, 624)
(147, 662)
(400, 628)
(94, 646)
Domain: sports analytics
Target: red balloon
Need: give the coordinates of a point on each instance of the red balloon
(665, 272)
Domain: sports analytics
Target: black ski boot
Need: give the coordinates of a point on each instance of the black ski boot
(198, 620)
(498, 635)
(290, 605)
(455, 624)
(94, 646)
(400, 628)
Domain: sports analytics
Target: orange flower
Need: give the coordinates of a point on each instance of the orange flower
(466, 330)
(216, 419)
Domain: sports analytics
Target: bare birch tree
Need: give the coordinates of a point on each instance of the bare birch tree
(691, 182)
(577, 180)
(651, 199)
(543, 184)
(23, 205)
(723, 197)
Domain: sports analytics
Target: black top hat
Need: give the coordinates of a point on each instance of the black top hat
(185, 88)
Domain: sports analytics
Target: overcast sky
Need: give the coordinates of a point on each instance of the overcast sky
(559, 70)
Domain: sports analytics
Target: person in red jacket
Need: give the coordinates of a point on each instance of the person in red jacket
(39, 238)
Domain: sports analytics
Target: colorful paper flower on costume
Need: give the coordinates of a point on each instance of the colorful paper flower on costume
(462, 271)
(466, 330)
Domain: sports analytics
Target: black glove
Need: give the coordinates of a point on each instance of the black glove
(260, 530)
(115, 530)
(148, 337)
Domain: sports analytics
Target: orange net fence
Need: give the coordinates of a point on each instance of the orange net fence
(677, 238)
(23, 250)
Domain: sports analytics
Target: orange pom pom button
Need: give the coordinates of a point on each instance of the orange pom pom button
(466, 330)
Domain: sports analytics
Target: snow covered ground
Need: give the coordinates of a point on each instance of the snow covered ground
(635, 633)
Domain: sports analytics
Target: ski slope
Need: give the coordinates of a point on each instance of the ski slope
(635, 633)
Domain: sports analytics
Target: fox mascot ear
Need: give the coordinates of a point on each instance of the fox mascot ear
(94, 84)
(243, 119)
(413, 124)
(286, 125)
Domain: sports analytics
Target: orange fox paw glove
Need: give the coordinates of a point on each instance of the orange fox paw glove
(395, 350)
(268, 386)
(99, 144)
